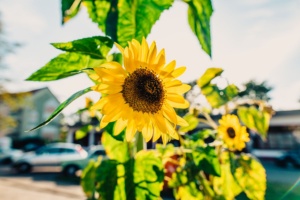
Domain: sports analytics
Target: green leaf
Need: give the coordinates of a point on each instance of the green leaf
(201, 135)
(88, 179)
(61, 107)
(225, 186)
(165, 151)
(148, 175)
(69, 9)
(110, 129)
(82, 132)
(199, 13)
(251, 177)
(215, 96)
(208, 76)
(107, 179)
(96, 47)
(255, 119)
(64, 65)
(192, 121)
(115, 149)
(207, 160)
(136, 18)
(98, 11)
(124, 20)
(189, 192)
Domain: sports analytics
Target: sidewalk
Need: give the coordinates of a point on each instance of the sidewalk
(34, 187)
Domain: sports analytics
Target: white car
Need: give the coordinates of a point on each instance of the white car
(49, 155)
(70, 168)
(7, 155)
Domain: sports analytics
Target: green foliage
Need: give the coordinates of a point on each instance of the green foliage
(124, 20)
(88, 180)
(250, 176)
(215, 96)
(123, 176)
(208, 76)
(116, 150)
(192, 121)
(69, 9)
(148, 175)
(225, 186)
(207, 160)
(98, 12)
(96, 47)
(82, 132)
(256, 90)
(61, 107)
(199, 14)
(202, 167)
(81, 55)
(62, 66)
(255, 119)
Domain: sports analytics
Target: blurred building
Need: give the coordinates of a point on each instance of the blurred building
(33, 108)
(284, 132)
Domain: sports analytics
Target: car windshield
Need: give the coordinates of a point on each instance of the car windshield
(98, 152)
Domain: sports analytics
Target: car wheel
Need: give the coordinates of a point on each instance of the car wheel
(70, 170)
(23, 168)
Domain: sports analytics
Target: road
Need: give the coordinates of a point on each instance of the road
(38, 185)
(52, 185)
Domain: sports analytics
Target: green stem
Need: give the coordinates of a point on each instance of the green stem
(140, 143)
(206, 186)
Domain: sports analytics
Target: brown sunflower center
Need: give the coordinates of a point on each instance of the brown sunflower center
(231, 132)
(143, 91)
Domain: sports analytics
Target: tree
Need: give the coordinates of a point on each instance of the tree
(8, 102)
(256, 91)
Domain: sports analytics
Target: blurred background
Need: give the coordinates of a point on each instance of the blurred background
(257, 43)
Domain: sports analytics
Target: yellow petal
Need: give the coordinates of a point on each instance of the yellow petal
(119, 47)
(173, 83)
(152, 54)
(99, 104)
(103, 124)
(179, 89)
(119, 126)
(179, 71)
(156, 134)
(109, 89)
(175, 98)
(127, 57)
(159, 121)
(170, 67)
(146, 131)
(144, 51)
(181, 121)
(130, 130)
(178, 105)
(160, 60)
(165, 138)
(169, 113)
(171, 131)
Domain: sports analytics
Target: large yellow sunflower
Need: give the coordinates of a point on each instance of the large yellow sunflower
(233, 134)
(142, 94)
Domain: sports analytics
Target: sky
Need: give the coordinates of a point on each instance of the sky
(251, 39)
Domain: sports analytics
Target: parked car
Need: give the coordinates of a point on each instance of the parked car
(289, 158)
(70, 168)
(49, 155)
(9, 154)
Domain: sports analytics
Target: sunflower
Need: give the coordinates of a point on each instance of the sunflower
(142, 94)
(234, 135)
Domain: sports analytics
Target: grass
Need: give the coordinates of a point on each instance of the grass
(282, 191)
